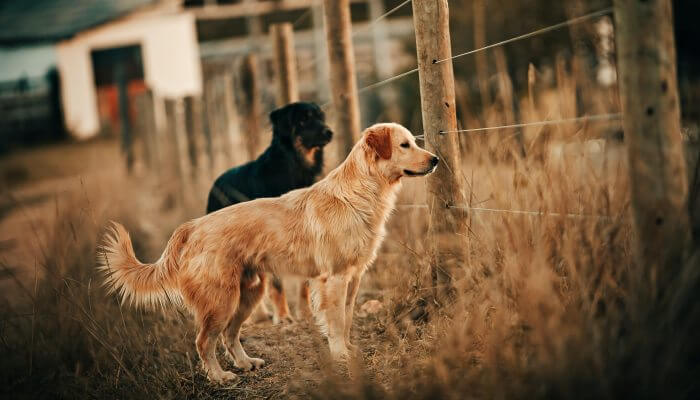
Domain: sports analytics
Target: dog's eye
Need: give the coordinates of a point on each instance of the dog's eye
(405, 145)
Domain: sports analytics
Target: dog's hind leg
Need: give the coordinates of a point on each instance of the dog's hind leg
(249, 299)
(214, 307)
(211, 324)
(304, 306)
(279, 299)
(253, 278)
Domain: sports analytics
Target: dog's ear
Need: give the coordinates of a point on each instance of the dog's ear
(280, 116)
(379, 140)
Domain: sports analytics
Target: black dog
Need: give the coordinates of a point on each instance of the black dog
(294, 159)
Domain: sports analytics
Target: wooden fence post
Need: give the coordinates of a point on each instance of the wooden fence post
(651, 111)
(175, 111)
(481, 58)
(448, 225)
(146, 126)
(383, 62)
(342, 73)
(320, 49)
(232, 120)
(251, 88)
(194, 129)
(124, 116)
(207, 127)
(285, 63)
(212, 123)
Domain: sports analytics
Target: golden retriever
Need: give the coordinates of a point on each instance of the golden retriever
(330, 231)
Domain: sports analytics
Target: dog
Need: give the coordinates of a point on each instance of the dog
(293, 160)
(330, 231)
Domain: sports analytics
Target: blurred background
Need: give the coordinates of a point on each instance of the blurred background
(128, 110)
(78, 70)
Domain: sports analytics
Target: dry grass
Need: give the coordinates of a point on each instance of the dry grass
(546, 306)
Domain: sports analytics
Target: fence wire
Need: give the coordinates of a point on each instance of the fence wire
(369, 26)
(588, 118)
(564, 24)
(381, 17)
(570, 22)
(514, 212)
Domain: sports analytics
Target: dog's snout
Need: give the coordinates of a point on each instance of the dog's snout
(328, 134)
(434, 161)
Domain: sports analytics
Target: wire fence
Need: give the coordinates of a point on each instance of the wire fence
(560, 25)
(581, 119)
(538, 32)
(371, 25)
(513, 212)
(591, 118)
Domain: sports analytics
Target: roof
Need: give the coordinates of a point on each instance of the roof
(27, 21)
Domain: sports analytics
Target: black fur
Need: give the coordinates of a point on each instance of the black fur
(281, 167)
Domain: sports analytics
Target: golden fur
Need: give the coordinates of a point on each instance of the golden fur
(330, 231)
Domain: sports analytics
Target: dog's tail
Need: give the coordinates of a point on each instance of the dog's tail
(137, 283)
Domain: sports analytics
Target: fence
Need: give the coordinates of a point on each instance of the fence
(648, 93)
(30, 111)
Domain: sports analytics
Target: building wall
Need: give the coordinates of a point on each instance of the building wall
(170, 60)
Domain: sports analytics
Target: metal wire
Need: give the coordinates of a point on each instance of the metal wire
(302, 17)
(514, 212)
(385, 81)
(527, 35)
(564, 24)
(532, 213)
(381, 83)
(591, 118)
(381, 17)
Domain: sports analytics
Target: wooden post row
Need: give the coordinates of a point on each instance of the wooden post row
(285, 63)
(342, 74)
(448, 225)
(651, 111)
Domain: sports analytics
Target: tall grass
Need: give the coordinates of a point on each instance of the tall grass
(546, 306)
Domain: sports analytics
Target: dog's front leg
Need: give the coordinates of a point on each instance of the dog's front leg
(333, 304)
(353, 288)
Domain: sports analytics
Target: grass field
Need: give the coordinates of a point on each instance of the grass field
(545, 307)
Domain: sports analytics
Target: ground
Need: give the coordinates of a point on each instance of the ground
(546, 306)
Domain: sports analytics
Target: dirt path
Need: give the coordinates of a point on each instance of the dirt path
(295, 356)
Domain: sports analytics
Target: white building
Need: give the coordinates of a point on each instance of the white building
(153, 43)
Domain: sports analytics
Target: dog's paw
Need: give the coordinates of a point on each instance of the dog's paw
(305, 314)
(222, 377)
(285, 320)
(260, 317)
(353, 349)
(250, 364)
(340, 354)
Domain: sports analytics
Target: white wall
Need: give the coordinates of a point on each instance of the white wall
(170, 60)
